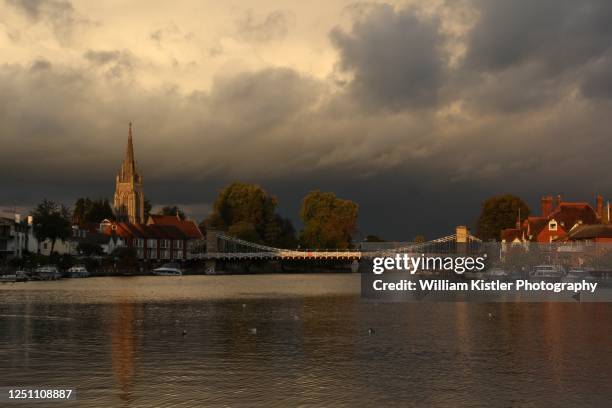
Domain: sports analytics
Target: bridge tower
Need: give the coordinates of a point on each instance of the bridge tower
(212, 246)
(462, 236)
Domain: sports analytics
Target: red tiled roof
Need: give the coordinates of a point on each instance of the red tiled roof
(535, 225)
(128, 230)
(591, 232)
(569, 214)
(187, 227)
(510, 234)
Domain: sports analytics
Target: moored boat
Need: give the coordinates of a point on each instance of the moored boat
(548, 273)
(18, 276)
(169, 269)
(77, 271)
(48, 272)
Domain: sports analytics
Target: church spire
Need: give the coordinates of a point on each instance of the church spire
(129, 164)
(129, 154)
(129, 198)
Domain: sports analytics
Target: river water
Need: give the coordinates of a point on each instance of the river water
(287, 340)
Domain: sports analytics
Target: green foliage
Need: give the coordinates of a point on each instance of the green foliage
(498, 213)
(247, 212)
(172, 210)
(123, 258)
(147, 208)
(89, 249)
(244, 230)
(51, 221)
(329, 222)
(87, 210)
(286, 234)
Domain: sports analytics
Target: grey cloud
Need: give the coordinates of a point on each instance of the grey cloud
(102, 57)
(560, 34)
(169, 32)
(263, 98)
(59, 14)
(389, 138)
(597, 82)
(117, 64)
(395, 57)
(275, 26)
(40, 64)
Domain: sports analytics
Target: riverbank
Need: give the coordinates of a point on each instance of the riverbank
(176, 288)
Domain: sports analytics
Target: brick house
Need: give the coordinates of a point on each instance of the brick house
(162, 238)
(558, 218)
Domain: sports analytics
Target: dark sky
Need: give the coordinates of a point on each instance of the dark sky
(418, 111)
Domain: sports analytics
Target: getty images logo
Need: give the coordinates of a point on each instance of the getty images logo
(412, 264)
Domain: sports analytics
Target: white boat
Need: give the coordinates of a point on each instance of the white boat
(19, 276)
(48, 272)
(169, 269)
(497, 274)
(78, 271)
(578, 274)
(550, 273)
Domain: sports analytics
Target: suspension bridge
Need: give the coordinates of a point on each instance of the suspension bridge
(218, 246)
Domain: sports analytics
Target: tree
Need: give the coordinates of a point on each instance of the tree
(88, 210)
(286, 237)
(329, 222)
(247, 205)
(89, 249)
(147, 208)
(51, 221)
(244, 230)
(172, 210)
(498, 213)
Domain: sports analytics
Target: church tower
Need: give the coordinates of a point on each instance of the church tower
(129, 198)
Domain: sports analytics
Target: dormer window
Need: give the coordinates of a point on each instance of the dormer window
(552, 225)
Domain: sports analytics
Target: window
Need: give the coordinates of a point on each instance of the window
(152, 243)
(151, 253)
(552, 225)
(178, 244)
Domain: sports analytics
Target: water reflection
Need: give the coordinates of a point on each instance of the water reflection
(123, 347)
(150, 343)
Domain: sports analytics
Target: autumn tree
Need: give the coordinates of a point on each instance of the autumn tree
(498, 213)
(247, 211)
(329, 222)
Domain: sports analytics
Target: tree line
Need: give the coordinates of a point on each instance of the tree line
(242, 210)
(248, 212)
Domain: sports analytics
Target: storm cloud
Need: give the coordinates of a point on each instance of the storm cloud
(418, 112)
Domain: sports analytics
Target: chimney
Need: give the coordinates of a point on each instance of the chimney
(558, 202)
(546, 205)
(600, 206)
